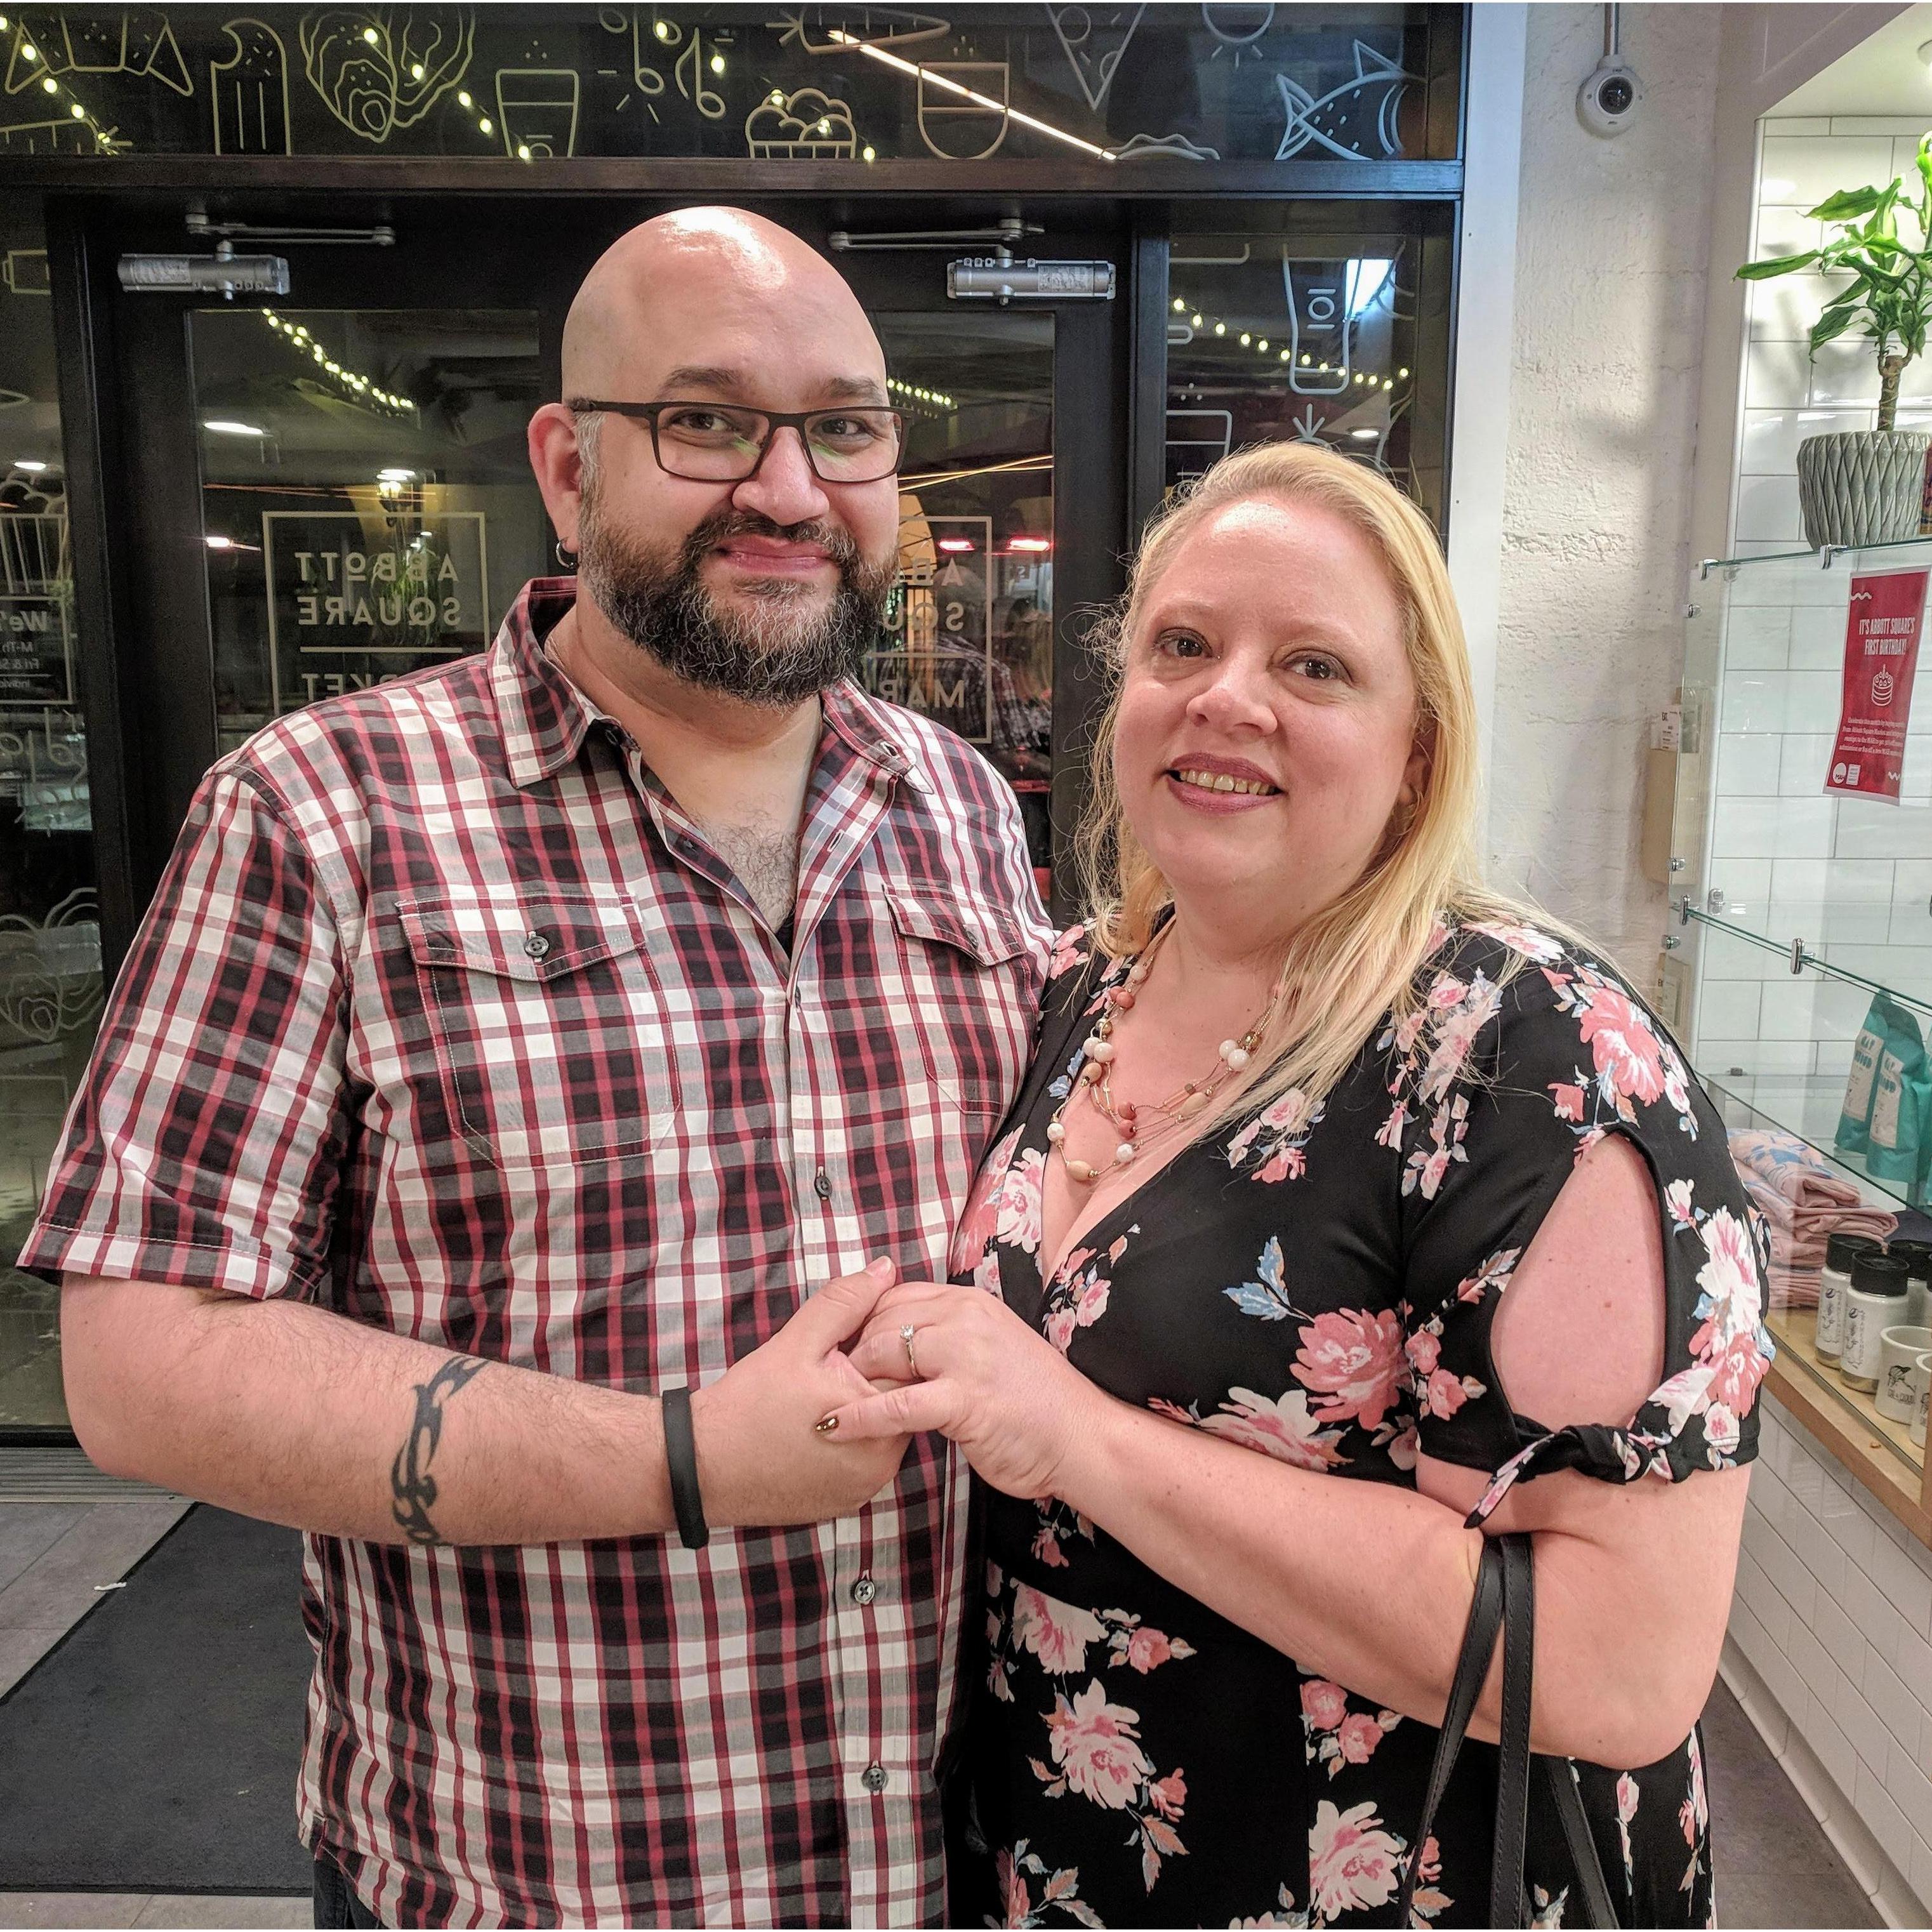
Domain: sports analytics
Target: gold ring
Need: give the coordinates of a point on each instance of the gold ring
(912, 1360)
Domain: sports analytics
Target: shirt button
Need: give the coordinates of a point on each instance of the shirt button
(873, 1778)
(864, 1591)
(821, 1185)
(536, 945)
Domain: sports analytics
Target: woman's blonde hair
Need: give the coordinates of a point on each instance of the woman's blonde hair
(1357, 959)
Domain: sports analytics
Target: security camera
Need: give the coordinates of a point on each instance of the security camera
(1607, 103)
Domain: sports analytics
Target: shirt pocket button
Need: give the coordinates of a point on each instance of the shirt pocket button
(536, 945)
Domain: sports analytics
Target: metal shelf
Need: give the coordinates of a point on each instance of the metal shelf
(1824, 557)
(1798, 955)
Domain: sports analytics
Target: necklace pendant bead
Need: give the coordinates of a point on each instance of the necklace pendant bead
(1124, 1153)
(1100, 1049)
(1078, 1170)
(1124, 1000)
(1192, 1105)
(1236, 1057)
(1129, 1127)
(1055, 1133)
(1089, 1073)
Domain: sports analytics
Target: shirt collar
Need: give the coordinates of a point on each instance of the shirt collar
(544, 718)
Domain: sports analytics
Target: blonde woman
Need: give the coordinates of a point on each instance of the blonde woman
(1341, 1203)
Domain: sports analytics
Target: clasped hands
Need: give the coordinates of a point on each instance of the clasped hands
(974, 1372)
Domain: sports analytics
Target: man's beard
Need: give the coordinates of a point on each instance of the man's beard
(781, 647)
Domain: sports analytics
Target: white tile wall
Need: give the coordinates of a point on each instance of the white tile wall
(1845, 874)
(1833, 1613)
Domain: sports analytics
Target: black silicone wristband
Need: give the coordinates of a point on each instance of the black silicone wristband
(681, 1455)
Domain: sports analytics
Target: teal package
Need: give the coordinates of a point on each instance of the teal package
(1888, 1025)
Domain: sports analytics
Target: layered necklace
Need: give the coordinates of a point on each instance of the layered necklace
(1093, 1075)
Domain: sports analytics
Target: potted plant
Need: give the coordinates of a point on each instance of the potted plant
(1866, 486)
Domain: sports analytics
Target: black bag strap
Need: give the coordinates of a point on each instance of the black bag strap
(1472, 1667)
(1505, 1605)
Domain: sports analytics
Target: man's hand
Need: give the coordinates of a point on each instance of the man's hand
(761, 1461)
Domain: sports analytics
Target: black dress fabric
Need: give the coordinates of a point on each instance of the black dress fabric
(1318, 1285)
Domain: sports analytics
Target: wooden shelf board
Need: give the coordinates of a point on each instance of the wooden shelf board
(1845, 1421)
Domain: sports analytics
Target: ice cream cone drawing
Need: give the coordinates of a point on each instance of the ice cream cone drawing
(807, 126)
(944, 117)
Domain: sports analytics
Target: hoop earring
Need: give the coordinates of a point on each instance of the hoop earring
(567, 558)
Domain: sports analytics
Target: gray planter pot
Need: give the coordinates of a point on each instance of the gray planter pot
(1861, 486)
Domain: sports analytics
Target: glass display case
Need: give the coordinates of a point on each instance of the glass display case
(1798, 965)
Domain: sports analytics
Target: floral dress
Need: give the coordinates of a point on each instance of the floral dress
(1317, 1285)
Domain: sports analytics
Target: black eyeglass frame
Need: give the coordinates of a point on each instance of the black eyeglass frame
(775, 421)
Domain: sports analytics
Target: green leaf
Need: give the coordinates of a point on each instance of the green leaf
(1832, 324)
(1778, 265)
(1847, 203)
(1925, 162)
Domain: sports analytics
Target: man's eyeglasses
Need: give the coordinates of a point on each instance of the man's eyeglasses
(720, 443)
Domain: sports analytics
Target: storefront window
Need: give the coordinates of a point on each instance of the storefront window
(794, 83)
(50, 972)
(1307, 330)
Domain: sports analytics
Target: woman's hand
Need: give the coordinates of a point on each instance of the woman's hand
(1000, 1389)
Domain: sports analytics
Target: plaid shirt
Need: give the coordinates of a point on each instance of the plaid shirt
(446, 1018)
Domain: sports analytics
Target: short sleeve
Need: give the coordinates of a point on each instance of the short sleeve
(204, 1146)
(1524, 1054)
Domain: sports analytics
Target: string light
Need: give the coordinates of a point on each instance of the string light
(104, 141)
(935, 398)
(359, 386)
(1199, 319)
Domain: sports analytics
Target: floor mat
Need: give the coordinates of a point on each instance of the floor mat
(156, 1749)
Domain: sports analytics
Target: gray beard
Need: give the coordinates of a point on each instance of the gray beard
(787, 646)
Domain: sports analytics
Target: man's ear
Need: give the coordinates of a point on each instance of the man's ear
(557, 462)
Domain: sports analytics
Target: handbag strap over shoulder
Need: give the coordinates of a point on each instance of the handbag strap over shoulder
(1505, 1605)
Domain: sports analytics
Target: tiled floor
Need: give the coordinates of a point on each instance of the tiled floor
(1775, 1867)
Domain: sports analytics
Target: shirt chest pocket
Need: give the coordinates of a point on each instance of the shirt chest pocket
(550, 1028)
(968, 990)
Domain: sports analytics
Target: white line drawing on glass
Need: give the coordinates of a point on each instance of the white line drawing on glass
(379, 68)
(1319, 338)
(125, 40)
(707, 100)
(1378, 80)
(1093, 39)
(939, 111)
(1175, 147)
(25, 272)
(536, 110)
(645, 78)
(55, 986)
(1206, 435)
(861, 26)
(249, 91)
(66, 136)
(807, 126)
(1307, 426)
(12, 399)
(1239, 27)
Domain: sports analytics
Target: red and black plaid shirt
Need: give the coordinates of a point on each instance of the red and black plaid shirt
(447, 1017)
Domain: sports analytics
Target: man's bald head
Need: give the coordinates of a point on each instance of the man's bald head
(692, 285)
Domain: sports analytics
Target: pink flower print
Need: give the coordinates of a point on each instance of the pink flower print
(1721, 1434)
(1093, 1302)
(1097, 1747)
(1014, 1894)
(1059, 1325)
(1456, 1036)
(1056, 1632)
(1405, 1445)
(1729, 1343)
(1445, 1393)
(1447, 991)
(1290, 1164)
(1627, 1802)
(1282, 1429)
(1067, 949)
(1148, 1647)
(1524, 939)
(1324, 1705)
(1169, 1795)
(1629, 1059)
(1389, 1134)
(1359, 1736)
(1017, 1204)
(1494, 1274)
(979, 1223)
(1569, 1101)
(1352, 1861)
(1425, 1350)
(1677, 1204)
(1046, 1547)
(1352, 1362)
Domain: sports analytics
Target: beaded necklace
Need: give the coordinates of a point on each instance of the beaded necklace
(1093, 1075)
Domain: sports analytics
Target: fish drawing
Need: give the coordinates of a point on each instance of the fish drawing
(1327, 122)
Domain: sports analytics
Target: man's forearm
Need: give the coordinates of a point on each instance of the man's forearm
(286, 1411)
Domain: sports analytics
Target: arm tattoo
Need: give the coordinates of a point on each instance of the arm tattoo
(415, 1487)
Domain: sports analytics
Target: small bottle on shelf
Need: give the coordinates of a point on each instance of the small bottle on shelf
(1917, 1255)
(1877, 1302)
(1835, 1284)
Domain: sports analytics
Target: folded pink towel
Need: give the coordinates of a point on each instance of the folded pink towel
(1804, 1203)
(1791, 1168)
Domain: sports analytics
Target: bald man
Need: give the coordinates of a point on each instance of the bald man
(483, 1153)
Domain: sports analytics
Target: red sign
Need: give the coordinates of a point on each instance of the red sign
(1881, 654)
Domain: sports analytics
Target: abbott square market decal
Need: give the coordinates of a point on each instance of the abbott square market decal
(1881, 631)
(354, 598)
(36, 649)
(936, 654)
